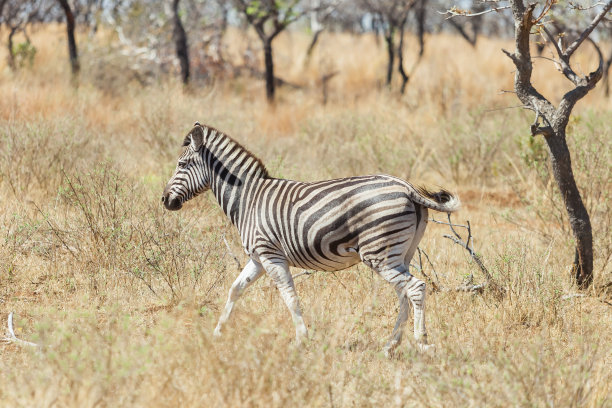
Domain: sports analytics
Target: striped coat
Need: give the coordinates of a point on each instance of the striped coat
(326, 225)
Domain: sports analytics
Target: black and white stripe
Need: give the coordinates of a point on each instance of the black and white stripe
(326, 225)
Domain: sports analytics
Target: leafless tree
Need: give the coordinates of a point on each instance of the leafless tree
(269, 18)
(469, 28)
(551, 122)
(320, 14)
(420, 13)
(392, 16)
(180, 39)
(70, 27)
(606, 73)
(17, 15)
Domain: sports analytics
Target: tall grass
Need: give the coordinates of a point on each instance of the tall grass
(123, 296)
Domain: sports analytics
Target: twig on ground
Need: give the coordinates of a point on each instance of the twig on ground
(12, 338)
(572, 295)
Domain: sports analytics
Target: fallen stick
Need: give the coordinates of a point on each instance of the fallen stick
(12, 338)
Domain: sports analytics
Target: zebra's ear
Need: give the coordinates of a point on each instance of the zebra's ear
(197, 137)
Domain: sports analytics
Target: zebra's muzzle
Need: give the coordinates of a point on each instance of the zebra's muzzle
(172, 204)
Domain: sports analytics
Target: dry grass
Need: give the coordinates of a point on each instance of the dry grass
(124, 296)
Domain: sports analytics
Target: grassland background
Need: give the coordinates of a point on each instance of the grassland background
(124, 296)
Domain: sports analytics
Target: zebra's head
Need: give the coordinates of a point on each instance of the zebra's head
(189, 178)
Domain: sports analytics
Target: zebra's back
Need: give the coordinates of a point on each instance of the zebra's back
(331, 225)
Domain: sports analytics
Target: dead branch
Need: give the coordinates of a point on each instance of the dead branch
(575, 6)
(12, 338)
(574, 46)
(434, 285)
(455, 11)
(572, 295)
(468, 244)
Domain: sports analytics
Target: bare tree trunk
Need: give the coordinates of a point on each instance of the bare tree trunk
(420, 18)
(579, 219)
(2, 4)
(315, 39)
(461, 29)
(269, 63)
(180, 40)
(11, 53)
(606, 74)
(72, 47)
(391, 53)
(400, 57)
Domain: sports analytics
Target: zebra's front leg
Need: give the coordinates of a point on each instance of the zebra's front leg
(251, 272)
(279, 272)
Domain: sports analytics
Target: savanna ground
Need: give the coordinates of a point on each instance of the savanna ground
(123, 296)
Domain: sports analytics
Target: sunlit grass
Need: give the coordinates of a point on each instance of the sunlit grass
(123, 296)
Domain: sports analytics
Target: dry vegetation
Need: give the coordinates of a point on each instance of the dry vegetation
(124, 296)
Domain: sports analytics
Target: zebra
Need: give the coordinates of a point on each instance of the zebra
(326, 225)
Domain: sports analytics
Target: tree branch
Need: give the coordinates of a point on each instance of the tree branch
(574, 46)
(454, 12)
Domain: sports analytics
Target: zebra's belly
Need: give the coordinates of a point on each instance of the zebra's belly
(347, 256)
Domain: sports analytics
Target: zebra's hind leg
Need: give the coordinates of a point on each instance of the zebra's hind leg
(280, 274)
(251, 272)
(400, 279)
(416, 292)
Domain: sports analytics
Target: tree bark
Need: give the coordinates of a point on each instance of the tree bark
(579, 219)
(606, 74)
(391, 54)
(313, 42)
(72, 46)
(180, 40)
(269, 63)
(400, 57)
(420, 17)
(11, 54)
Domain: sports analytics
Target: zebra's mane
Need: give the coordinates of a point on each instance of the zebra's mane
(221, 135)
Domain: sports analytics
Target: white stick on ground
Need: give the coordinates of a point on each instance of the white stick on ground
(11, 338)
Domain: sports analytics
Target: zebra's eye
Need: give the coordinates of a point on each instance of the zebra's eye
(182, 164)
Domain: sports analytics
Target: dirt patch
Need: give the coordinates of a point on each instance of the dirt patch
(473, 199)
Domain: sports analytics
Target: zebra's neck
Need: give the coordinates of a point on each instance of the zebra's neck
(233, 172)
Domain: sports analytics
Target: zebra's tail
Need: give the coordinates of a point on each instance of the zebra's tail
(442, 200)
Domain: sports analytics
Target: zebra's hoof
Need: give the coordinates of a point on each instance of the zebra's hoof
(390, 349)
(426, 348)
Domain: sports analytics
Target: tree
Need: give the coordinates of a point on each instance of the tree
(393, 15)
(269, 18)
(180, 39)
(72, 46)
(470, 31)
(17, 15)
(551, 122)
